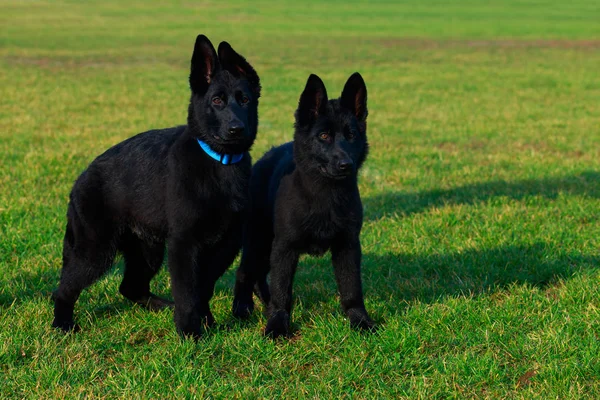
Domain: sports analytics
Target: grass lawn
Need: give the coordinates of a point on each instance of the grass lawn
(481, 241)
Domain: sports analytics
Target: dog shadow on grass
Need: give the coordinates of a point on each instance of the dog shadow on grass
(584, 184)
(396, 280)
(399, 279)
(33, 286)
(26, 286)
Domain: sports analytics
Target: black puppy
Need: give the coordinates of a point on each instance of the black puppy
(305, 199)
(186, 186)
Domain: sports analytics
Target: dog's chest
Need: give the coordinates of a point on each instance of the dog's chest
(221, 205)
(233, 191)
(215, 224)
(319, 232)
(212, 210)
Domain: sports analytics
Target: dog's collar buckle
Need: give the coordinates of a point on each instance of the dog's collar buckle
(225, 159)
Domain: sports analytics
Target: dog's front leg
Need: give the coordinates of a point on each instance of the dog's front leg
(346, 256)
(191, 288)
(284, 261)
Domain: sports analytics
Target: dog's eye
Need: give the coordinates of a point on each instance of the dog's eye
(217, 101)
(350, 136)
(245, 99)
(324, 136)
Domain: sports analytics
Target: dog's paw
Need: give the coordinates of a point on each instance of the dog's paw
(192, 325)
(66, 326)
(242, 309)
(278, 325)
(360, 320)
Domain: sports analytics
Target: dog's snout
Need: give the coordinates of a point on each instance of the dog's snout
(236, 129)
(345, 165)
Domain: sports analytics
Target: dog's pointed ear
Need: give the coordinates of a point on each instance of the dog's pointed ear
(354, 97)
(238, 66)
(204, 65)
(313, 101)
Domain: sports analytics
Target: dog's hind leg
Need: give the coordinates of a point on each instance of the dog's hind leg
(84, 262)
(252, 272)
(261, 288)
(143, 260)
(284, 259)
(246, 282)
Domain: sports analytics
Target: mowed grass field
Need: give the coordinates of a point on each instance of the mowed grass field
(481, 241)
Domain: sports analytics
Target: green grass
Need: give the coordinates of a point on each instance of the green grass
(481, 239)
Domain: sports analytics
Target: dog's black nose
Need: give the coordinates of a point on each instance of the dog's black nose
(345, 165)
(236, 130)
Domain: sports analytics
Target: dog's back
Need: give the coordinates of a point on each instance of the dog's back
(266, 177)
(124, 187)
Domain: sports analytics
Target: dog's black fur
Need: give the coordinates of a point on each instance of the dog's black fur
(160, 187)
(305, 199)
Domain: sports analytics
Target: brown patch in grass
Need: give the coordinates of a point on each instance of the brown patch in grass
(548, 148)
(498, 297)
(576, 154)
(446, 146)
(475, 144)
(551, 294)
(538, 147)
(552, 291)
(525, 379)
(295, 337)
(492, 43)
(61, 63)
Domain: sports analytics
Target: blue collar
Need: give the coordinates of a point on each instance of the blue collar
(225, 159)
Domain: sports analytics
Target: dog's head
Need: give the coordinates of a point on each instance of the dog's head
(331, 135)
(223, 109)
